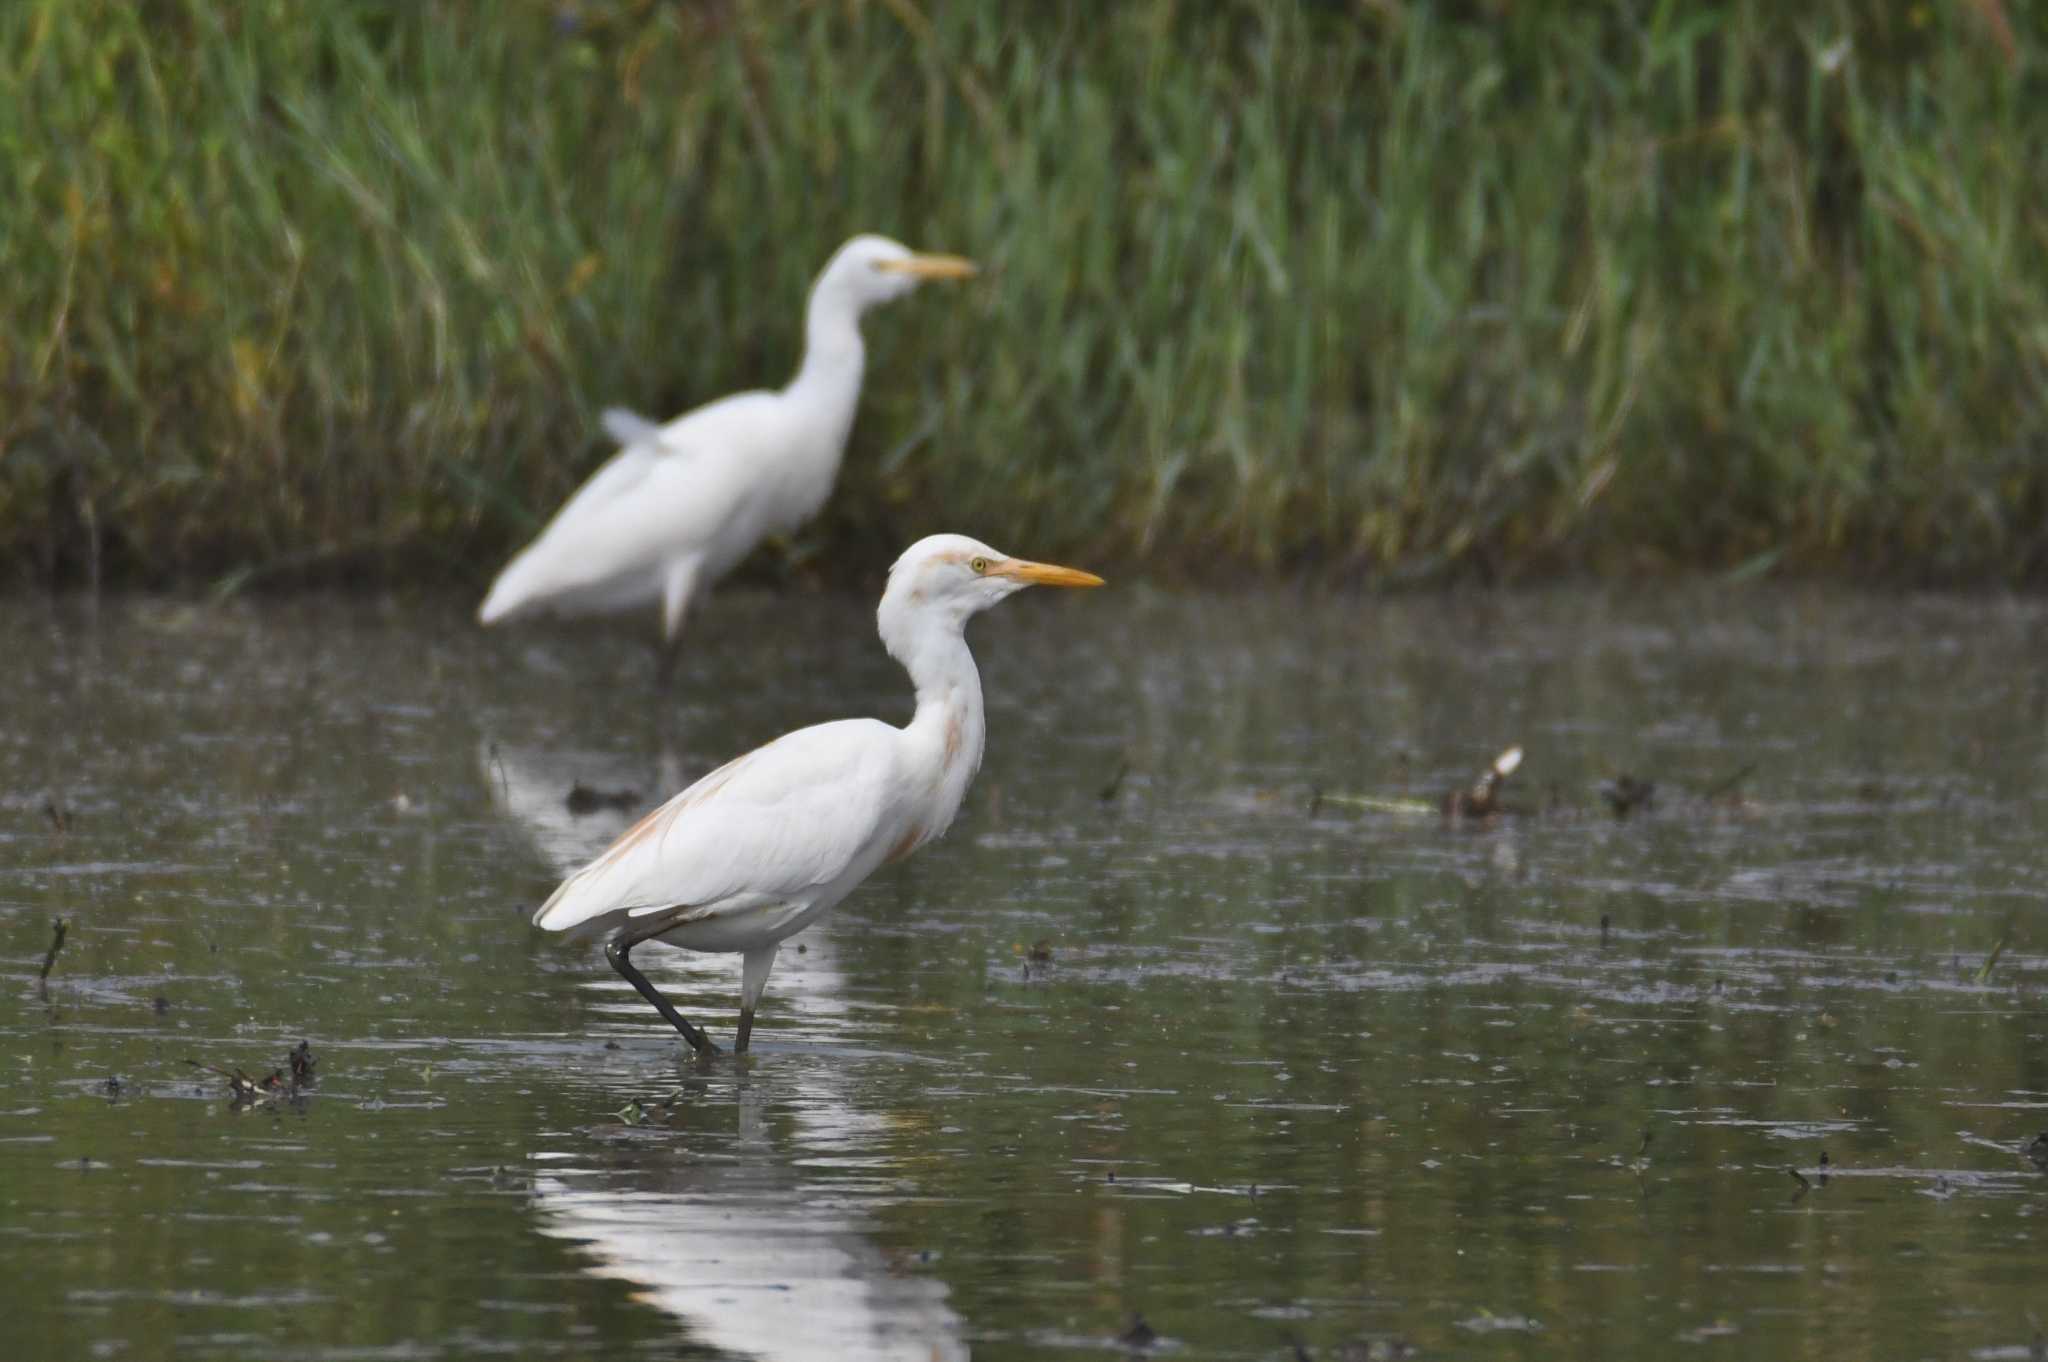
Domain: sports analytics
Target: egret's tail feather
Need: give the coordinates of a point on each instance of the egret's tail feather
(500, 602)
(578, 919)
(545, 915)
(629, 427)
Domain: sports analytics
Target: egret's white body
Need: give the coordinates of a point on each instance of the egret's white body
(759, 848)
(680, 504)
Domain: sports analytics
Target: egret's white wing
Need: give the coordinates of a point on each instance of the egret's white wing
(772, 826)
(615, 479)
(698, 489)
(732, 425)
(644, 444)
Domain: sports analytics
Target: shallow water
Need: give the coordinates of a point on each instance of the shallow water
(1292, 1069)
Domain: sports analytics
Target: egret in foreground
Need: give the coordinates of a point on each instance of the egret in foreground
(756, 850)
(680, 504)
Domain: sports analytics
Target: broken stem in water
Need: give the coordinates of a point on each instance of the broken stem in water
(60, 926)
(1991, 960)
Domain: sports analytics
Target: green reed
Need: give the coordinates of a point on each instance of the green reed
(336, 290)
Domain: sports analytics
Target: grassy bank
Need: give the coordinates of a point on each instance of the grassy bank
(337, 289)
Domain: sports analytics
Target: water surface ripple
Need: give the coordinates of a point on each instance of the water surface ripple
(1186, 1019)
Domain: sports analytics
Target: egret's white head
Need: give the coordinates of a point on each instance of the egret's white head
(943, 580)
(873, 269)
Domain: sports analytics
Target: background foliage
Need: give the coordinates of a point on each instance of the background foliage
(1467, 288)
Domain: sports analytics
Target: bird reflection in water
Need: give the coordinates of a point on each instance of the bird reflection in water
(735, 1226)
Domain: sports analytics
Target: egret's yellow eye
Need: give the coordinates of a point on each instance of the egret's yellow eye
(978, 564)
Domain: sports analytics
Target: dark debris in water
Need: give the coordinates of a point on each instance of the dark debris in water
(1625, 794)
(652, 1113)
(1384, 1348)
(1139, 1335)
(584, 800)
(280, 1084)
(241, 1086)
(1487, 1322)
(2037, 1151)
(1482, 799)
(1037, 956)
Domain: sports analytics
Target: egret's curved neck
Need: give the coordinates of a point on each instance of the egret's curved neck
(833, 352)
(948, 683)
(948, 731)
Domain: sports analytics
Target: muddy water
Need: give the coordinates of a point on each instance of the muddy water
(1210, 1040)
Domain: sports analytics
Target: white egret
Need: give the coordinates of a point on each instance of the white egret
(757, 849)
(680, 504)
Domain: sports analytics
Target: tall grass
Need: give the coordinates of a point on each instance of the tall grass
(1428, 289)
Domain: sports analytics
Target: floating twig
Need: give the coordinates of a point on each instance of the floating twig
(1727, 788)
(1374, 803)
(1115, 784)
(1480, 800)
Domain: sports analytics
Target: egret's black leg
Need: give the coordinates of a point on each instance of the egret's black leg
(753, 978)
(676, 589)
(666, 654)
(616, 951)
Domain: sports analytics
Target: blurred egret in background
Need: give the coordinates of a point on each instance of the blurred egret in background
(680, 504)
(756, 850)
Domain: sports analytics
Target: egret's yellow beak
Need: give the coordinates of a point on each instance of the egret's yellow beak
(931, 267)
(1043, 574)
